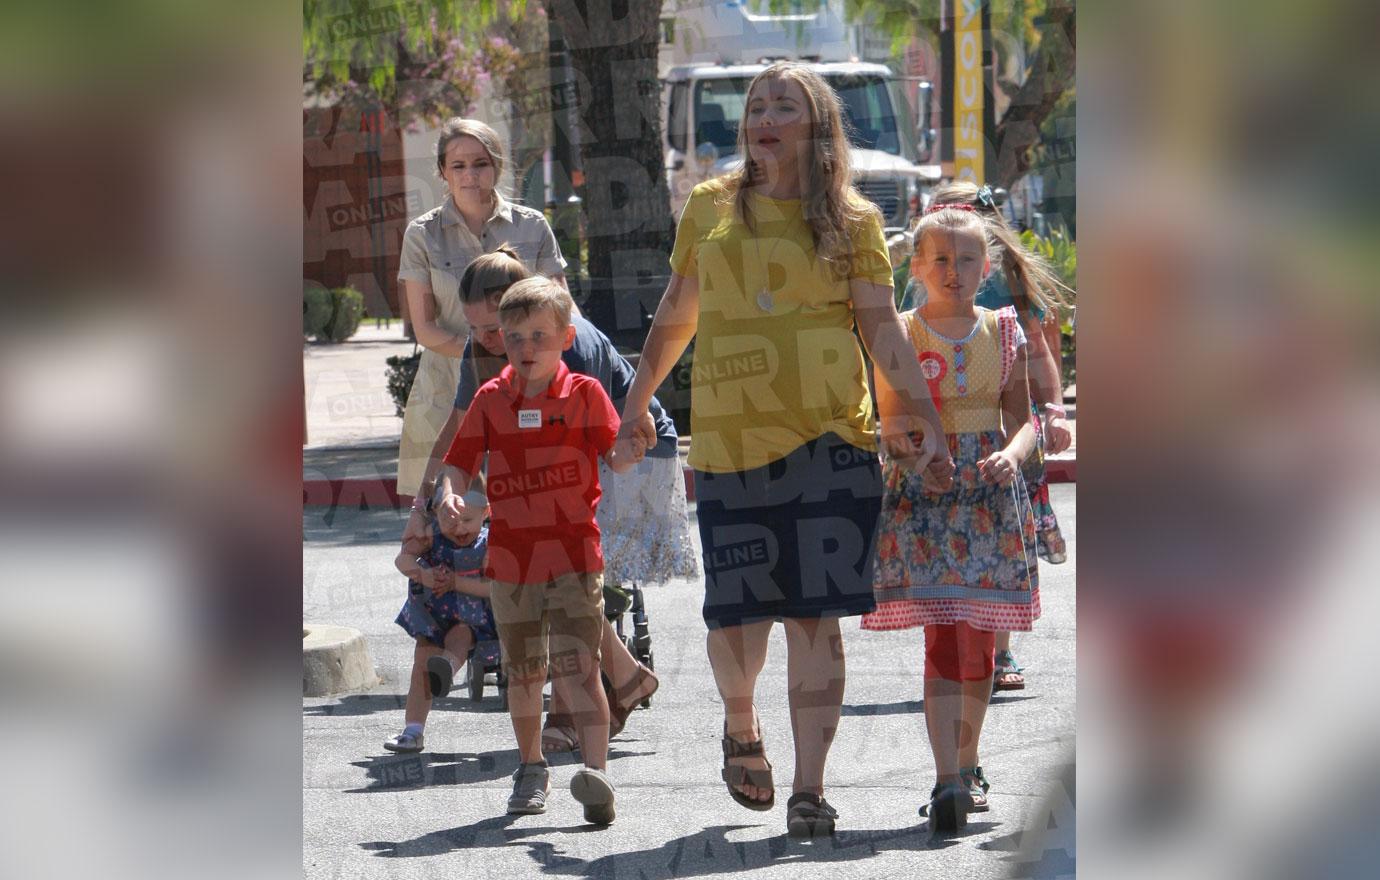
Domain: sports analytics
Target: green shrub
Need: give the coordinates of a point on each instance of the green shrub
(1062, 254)
(1069, 347)
(899, 279)
(401, 373)
(331, 315)
(317, 307)
(349, 311)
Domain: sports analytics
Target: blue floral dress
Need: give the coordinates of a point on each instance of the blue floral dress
(425, 616)
(969, 554)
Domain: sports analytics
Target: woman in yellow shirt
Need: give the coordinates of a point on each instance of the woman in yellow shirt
(774, 268)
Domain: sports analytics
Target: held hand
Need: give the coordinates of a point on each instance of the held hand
(999, 468)
(417, 530)
(900, 448)
(442, 579)
(448, 515)
(1057, 434)
(906, 440)
(628, 451)
(939, 476)
(644, 429)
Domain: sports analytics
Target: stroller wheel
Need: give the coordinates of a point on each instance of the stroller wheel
(476, 676)
(503, 691)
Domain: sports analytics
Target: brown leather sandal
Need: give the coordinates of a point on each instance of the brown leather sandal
(559, 734)
(622, 702)
(737, 775)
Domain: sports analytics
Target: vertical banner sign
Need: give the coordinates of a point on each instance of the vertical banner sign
(969, 143)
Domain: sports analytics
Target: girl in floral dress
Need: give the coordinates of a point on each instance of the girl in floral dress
(958, 556)
(1024, 281)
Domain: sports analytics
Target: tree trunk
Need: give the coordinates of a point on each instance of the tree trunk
(613, 49)
(1051, 74)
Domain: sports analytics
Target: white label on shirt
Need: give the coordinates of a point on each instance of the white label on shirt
(529, 418)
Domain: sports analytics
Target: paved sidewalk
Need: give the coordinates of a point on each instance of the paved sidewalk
(348, 404)
(367, 813)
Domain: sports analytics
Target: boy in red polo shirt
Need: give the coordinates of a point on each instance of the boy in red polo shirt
(544, 429)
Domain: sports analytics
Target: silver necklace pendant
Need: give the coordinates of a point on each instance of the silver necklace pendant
(764, 300)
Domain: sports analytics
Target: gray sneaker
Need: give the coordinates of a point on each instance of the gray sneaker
(405, 743)
(531, 783)
(593, 789)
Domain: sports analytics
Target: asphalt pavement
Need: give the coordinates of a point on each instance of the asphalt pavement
(368, 813)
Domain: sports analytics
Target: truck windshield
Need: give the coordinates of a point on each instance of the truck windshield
(869, 117)
(868, 114)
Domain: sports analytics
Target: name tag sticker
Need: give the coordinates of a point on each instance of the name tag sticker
(529, 418)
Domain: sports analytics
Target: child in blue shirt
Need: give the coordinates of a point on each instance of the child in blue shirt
(447, 612)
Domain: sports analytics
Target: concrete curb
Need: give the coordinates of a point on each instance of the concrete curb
(335, 659)
(1061, 470)
(354, 492)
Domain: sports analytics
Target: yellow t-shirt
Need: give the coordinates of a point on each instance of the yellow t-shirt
(776, 361)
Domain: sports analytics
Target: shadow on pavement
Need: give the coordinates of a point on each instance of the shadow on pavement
(1001, 698)
(868, 709)
(341, 526)
(704, 853)
(710, 853)
(368, 704)
(917, 707)
(430, 769)
(491, 832)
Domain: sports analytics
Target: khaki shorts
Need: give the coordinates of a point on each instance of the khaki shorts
(567, 612)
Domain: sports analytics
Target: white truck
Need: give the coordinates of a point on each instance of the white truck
(712, 50)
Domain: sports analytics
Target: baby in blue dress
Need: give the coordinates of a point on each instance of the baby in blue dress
(447, 612)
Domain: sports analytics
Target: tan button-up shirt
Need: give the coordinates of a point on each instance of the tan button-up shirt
(438, 247)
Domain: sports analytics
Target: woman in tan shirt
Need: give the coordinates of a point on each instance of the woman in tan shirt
(474, 219)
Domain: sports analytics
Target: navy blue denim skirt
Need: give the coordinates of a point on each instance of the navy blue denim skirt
(793, 538)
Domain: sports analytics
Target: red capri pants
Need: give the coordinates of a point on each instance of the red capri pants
(958, 652)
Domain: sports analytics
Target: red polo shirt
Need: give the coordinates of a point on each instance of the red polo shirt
(543, 473)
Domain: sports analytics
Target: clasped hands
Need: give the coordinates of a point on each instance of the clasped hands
(910, 441)
(635, 437)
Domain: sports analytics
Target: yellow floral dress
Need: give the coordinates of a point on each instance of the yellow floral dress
(969, 554)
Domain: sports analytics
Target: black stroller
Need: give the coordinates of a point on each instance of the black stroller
(619, 601)
(486, 659)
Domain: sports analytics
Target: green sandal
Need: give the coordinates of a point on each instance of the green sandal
(977, 787)
(1008, 674)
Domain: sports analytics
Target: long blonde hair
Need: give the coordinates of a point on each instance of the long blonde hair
(830, 203)
(1027, 274)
